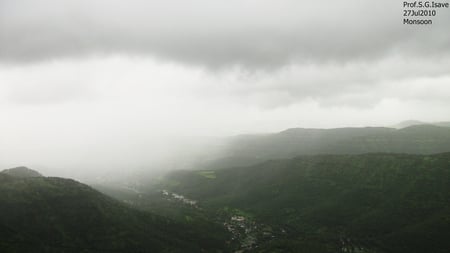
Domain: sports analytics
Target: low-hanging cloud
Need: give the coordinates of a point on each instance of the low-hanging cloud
(248, 33)
(109, 85)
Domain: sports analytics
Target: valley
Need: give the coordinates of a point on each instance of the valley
(316, 195)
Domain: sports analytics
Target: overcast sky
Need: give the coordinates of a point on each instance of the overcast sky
(104, 83)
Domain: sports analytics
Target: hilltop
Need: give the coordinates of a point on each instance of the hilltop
(22, 172)
(46, 214)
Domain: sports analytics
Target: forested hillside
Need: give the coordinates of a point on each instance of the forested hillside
(42, 214)
(333, 203)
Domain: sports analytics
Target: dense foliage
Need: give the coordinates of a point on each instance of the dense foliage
(336, 203)
(61, 215)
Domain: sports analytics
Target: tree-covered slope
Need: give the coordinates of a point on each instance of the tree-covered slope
(43, 214)
(21, 172)
(332, 203)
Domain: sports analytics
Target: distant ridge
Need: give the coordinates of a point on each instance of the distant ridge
(22, 172)
(408, 123)
(412, 139)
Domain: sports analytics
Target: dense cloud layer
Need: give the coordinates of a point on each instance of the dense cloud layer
(111, 84)
(251, 33)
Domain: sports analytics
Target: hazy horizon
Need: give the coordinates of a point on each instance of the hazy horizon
(174, 154)
(107, 86)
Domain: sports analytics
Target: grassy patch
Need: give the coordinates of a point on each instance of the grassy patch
(208, 174)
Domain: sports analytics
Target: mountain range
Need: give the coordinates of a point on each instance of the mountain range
(245, 150)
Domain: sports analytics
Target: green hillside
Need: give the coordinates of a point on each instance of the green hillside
(21, 172)
(334, 203)
(43, 214)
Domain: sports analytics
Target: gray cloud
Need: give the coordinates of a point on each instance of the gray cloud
(113, 84)
(358, 84)
(249, 33)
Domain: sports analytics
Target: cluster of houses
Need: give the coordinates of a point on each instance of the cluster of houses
(180, 198)
(244, 231)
